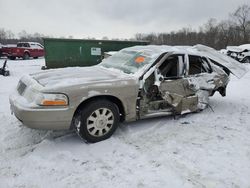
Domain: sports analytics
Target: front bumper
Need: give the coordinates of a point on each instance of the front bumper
(41, 117)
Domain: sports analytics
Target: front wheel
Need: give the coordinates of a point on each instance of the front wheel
(12, 57)
(26, 56)
(97, 121)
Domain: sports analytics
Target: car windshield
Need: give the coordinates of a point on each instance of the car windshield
(129, 62)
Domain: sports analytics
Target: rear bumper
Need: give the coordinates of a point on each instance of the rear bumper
(42, 118)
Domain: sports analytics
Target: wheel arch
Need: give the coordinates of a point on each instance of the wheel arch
(26, 52)
(110, 98)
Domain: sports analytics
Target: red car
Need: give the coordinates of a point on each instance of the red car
(24, 50)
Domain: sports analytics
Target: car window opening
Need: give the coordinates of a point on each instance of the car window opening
(198, 65)
(169, 68)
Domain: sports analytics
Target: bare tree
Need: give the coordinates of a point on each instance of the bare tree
(23, 34)
(6, 35)
(3, 34)
(242, 19)
(105, 38)
(139, 36)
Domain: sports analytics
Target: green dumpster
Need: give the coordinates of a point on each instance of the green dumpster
(77, 52)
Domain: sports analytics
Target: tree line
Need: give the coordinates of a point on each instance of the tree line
(217, 34)
(8, 37)
(231, 32)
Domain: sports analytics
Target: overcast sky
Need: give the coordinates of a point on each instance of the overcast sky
(111, 18)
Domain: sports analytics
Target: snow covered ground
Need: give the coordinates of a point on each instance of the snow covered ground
(207, 149)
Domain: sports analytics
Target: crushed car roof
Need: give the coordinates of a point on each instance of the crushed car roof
(156, 50)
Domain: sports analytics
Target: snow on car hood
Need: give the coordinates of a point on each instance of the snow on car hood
(245, 46)
(239, 49)
(232, 65)
(235, 49)
(76, 75)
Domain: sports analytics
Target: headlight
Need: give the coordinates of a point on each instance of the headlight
(48, 99)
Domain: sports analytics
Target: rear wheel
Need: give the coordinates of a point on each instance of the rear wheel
(26, 56)
(97, 121)
(35, 57)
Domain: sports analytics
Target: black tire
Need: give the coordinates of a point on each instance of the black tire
(82, 121)
(26, 56)
(246, 60)
(43, 67)
(6, 73)
(12, 57)
(35, 57)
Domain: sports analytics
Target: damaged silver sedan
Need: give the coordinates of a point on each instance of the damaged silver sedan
(135, 83)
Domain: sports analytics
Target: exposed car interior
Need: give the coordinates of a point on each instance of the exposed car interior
(151, 97)
(169, 67)
(172, 70)
(198, 65)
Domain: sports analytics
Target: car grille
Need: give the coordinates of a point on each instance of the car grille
(21, 87)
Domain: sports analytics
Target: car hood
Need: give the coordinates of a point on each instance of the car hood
(229, 63)
(77, 76)
(236, 49)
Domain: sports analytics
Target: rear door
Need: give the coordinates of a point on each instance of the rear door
(33, 50)
(201, 75)
(202, 80)
(174, 86)
(29, 49)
